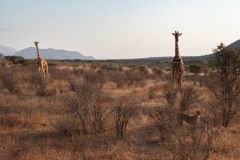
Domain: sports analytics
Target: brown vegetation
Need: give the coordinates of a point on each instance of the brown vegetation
(104, 110)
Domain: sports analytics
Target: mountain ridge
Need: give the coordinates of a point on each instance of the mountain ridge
(51, 53)
(7, 51)
(235, 44)
(61, 54)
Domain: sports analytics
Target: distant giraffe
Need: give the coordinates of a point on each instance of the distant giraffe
(42, 64)
(177, 64)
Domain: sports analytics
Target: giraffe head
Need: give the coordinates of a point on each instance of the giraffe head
(36, 42)
(198, 113)
(176, 35)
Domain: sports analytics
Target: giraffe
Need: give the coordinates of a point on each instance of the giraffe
(42, 64)
(177, 64)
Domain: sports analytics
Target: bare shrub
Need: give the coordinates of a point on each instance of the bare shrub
(152, 91)
(68, 126)
(9, 81)
(129, 78)
(60, 73)
(126, 78)
(135, 78)
(95, 77)
(78, 71)
(158, 72)
(166, 76)
(88, 104)
(185, 145)
(42, 86)
(125, 108)
(109, 67)
(143, 69)
(75, 84)
(89, 110)
(185, 142)
(163, 117)
(189, 96)
(14, 59)
(170, 94)
(132, 78)
(119, 78)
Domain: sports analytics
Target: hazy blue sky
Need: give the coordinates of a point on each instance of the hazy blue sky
(109, 29)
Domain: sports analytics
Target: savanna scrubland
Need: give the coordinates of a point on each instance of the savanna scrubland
(118, 110)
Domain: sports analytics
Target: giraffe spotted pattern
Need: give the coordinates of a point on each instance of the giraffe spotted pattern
(177, 64)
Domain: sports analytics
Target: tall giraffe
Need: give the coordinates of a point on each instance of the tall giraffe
(42, 64)
(177, 64)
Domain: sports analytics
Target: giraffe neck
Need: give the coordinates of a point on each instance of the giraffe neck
(177, 54)
(38, 52)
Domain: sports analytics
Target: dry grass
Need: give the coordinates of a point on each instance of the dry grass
(37, 120)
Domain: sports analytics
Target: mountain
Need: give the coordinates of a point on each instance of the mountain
(167, 59)
(31, 53)
(235, 44)
(7, 51)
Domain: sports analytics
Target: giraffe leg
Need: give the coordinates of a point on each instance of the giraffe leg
(178, 85)
(46, 70)
(180, 82)
(173, 80)
(39, 70)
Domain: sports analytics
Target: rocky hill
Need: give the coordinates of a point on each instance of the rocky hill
(7, 51)
(58, 54)
(235, 44)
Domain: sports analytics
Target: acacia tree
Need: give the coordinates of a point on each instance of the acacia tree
(225, 81)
